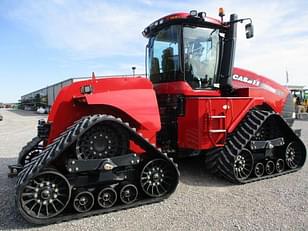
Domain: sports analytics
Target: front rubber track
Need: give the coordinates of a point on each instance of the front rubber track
(68, 138)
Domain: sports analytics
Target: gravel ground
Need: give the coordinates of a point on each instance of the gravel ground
(201, 201)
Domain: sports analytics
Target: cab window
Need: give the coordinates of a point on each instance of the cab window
(164, 55)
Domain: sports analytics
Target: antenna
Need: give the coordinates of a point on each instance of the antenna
(287, 77)
(134, 69)
(93, 76)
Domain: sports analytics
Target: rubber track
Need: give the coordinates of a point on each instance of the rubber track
(210, 160)
(28, 147)
(65, 140)
(238, 140)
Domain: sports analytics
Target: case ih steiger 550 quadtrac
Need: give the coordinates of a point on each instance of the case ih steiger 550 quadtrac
(106, 143)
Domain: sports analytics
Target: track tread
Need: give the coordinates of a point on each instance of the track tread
(210, 160)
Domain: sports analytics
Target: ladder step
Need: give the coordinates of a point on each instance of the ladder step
(217, 130)
(217, 117)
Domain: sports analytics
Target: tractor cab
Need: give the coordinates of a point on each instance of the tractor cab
(186, 53)
(190, 62)
(192, 48)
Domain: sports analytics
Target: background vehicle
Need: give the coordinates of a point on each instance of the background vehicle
(100, 141)
(42, 110)
(300, 95)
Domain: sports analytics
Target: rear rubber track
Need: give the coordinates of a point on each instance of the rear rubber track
(223, 158)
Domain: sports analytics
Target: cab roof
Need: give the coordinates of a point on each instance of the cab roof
(181, 17)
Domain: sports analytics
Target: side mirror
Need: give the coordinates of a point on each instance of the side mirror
(249, 30)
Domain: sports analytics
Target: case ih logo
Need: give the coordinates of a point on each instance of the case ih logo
(246, 80)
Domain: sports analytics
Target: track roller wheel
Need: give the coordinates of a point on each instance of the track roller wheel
(293, 155)
(29, 156)
(243, 165)
(29, 151)
(259, 169)
(107, 197)
(83, 201)
(102, 141)
(129, 194)
(280, 165)
(45, 196)
(157, 178)
(269, 167)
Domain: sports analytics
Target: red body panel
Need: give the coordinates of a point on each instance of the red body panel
(254, 85)
(131, 102)
(201, 118)
(132, 99)
(194, 127)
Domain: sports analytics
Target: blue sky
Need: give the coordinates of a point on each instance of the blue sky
(43, 42)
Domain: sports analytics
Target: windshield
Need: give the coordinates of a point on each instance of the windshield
(201, 56)
(164, 55)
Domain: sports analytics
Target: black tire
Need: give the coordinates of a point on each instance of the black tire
(107, 197)
(243, 165)
(83, 201)
(40, 199)
(280, 166)
(269, 167)
(157, 178)
(259, 169)
(293, 156)
(128, 194)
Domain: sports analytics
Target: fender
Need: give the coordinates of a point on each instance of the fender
(139, 104)
(133, 99)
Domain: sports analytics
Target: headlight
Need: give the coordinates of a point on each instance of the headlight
(193, 13)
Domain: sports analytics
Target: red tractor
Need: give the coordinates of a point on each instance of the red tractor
(107, 142)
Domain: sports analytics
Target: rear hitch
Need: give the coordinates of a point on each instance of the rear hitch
(14, 170)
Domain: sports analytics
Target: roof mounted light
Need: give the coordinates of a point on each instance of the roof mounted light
(144, 33)
(202, 15)
(193, 13)
(221, 12)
